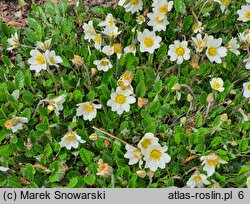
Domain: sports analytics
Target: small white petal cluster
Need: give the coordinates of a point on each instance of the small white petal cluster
(217, 84)
(179, 51)
(123, 96)
(210, 162)
(246, 89)
(131, 5)
(197, 180)
(103, 65)
(150, 151)
(13, 42)
(244, 13)
(71, 139)
(42, 57)
(16, 123)
(88, 110)
(56, 104)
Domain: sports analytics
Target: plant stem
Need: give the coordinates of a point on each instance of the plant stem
(113, 180)
(87, 72)
(113, 136)
(54, 79)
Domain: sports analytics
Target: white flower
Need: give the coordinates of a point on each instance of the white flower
(246, 87)
(134, 155)
(147, 140)
(111, 32)
(97, 38)
(245, 36)
(131, 5)
(13, 41)
(223, 4)
(109, 21)
(248, 178)
(127, 77)
(215, 51)
(16, 123)
(148, 41)
(71, 139)
(120, 101)
(217, 84)
(157, 21)
(104, 169)
(244, 13)
(162, 7)
(247, 61)
(37, 61)
(179, 51)
(127, 88)
(130, 49)
(52, 58)
(108, 50)
(89, 30)
(88, 110)
(2, 168)
(56, 104)
(199, 43)
(140, 19)
(233, 46)
(117, 49)
(103, 65)
(210, 162)
(197, 27)
(43, 46)
(156, 157)
(197, 180)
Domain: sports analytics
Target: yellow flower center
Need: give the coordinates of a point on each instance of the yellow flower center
(117, 48)
(225, 2)
(104, 63)
(145, 143)
(247, 15)
(216, 85)
(120, 99)
(199, 43)
(158, 20)
(98, 39)
(88, 108)
(155, 154)
(197, 178)
(136, 155)
(196, 26)
(134, 2)
(71, 138)
(141, 18)
(164, 9)
(248, 87)
(111, 22)
(212, 51)
(127, 75)
(121, 85)
(149, 42)
(212, 162)
(52, 60)
(180, 51)
(40, 59)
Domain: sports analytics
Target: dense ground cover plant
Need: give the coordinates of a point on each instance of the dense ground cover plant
(149, 94)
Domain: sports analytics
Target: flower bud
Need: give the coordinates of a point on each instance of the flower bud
(210, 98)
(106, 143)
(190, 98)
(104, 169)
(93, 71)
(233, 143)
(77, 60)
(93, 137)
(51, 107)
(176, 87)
(183, 120)
(141, 173)
(142, 102)
(224, 117)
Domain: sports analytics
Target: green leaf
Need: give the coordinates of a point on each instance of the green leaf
(140, 89)
(180, 6)
(90, 180)
(29, 172)
(188, 22)
(86, 156)
(72, 182)
(19, 78)
(243, 145)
